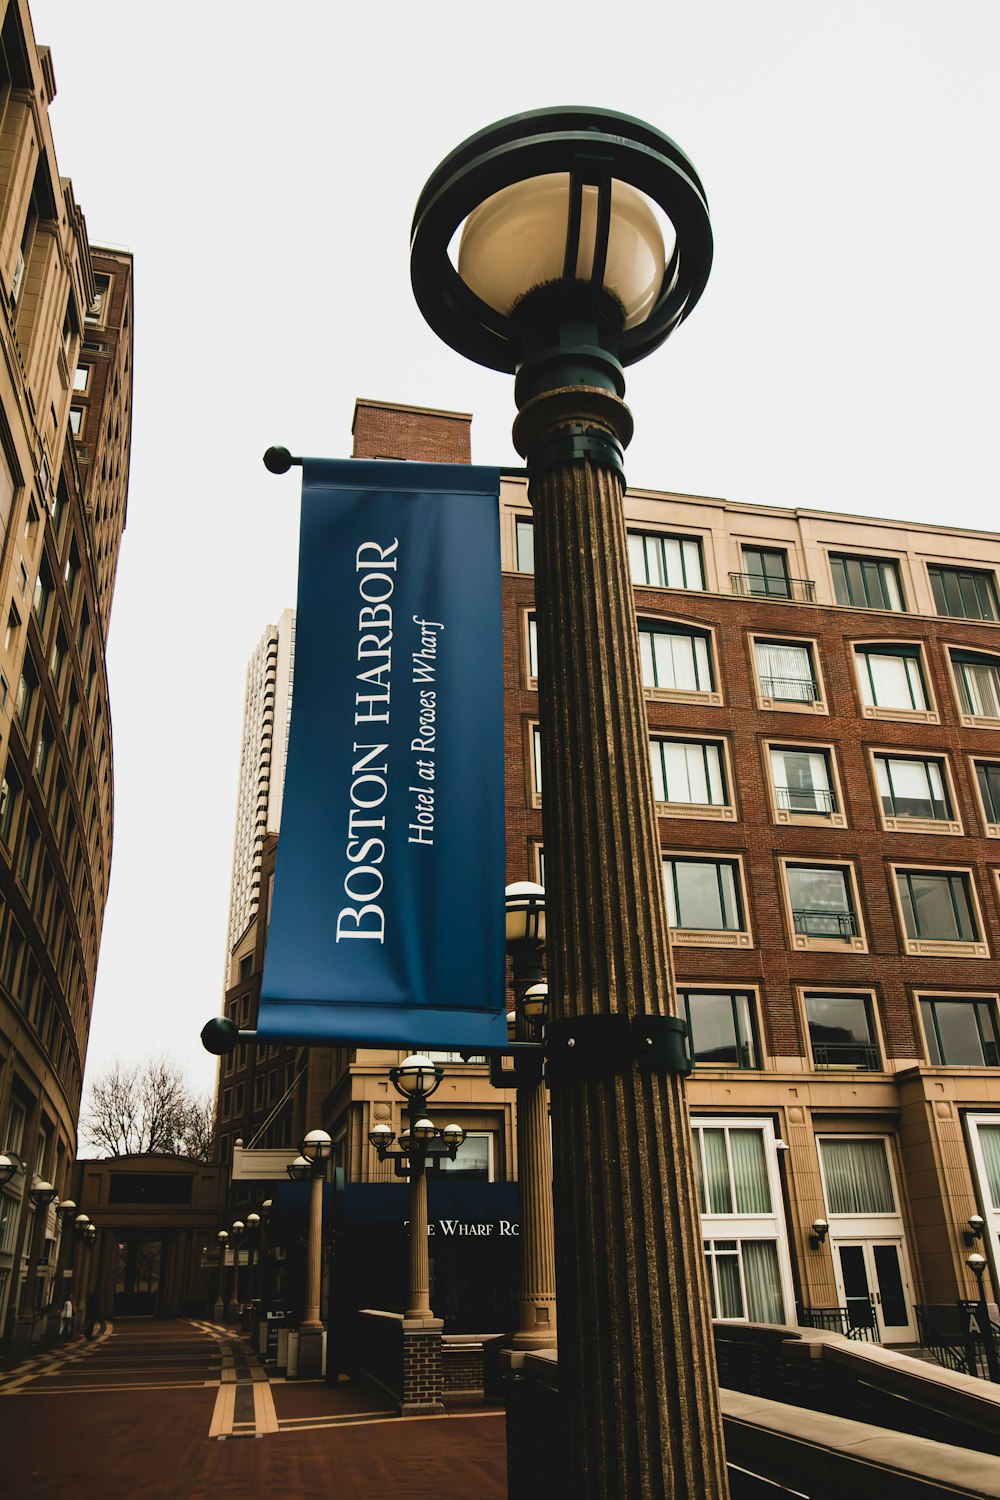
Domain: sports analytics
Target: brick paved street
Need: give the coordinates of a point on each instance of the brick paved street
(180, 1411)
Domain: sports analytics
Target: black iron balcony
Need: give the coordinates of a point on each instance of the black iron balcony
(805, 799)
(790, 689)
(815, 922)
(859, 1057)
(855, 1323)
(758, 585)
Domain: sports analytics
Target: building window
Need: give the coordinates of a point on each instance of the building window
(891, 678)
(978, 679)
(675, 659)
(765, 571)
(524, 543)
(802, 781)
(866, 582)
(75, 420)
(536, 766)
(258, 1093)
(473, 1160)
(238, 1099)
(532, 648)
(963, 593)
(960, 1032)
(937, 906)
(10, 789)
(842, 1032)
(988, 782)
(703, 895)
(688, 771)
(821, 901)
(739, 1222)
(81, 377)
(25, 694)
(912, 788)
(856, 1176)
(720, 1027)
(246, 966)
(665, 562)
(785, 672)
(42, 595)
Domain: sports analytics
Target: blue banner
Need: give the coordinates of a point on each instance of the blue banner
(387, 916)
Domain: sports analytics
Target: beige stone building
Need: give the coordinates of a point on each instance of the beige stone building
(65, 421)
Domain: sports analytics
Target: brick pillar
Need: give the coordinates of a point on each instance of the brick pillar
(423, 1381)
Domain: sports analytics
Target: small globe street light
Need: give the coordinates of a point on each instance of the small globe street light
(415, 1079)
(222, 1240)
(585, 242)
(8, 1166)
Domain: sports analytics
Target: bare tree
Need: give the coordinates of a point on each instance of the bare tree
(146, 1108)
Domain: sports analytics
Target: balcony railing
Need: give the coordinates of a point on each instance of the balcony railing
(818, 923)
(861, 1057)
(790, 689)
(758, 585)
(840, 1320)
(805, 799)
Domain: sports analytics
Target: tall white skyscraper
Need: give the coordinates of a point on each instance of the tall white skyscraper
(267, 711)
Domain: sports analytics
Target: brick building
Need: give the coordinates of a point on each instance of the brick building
(823, 696)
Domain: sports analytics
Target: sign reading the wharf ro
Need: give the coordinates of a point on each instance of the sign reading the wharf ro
(387, 917)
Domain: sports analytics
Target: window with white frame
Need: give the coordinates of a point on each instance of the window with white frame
(745, 1252)
(786, 672)
(891, 677)
(801, 780)
(672, 562)
(674, 658)
(532, 646)
(688, 771)
(978, 679)
(703, 894)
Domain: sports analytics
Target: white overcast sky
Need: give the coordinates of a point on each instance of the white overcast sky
(262, 161)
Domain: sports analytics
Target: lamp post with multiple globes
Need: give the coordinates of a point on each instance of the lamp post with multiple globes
(310, 1166)
(564, 277)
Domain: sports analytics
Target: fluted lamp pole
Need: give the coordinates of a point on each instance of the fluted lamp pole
(585, 241)
(536, 1294)
(316, 1149)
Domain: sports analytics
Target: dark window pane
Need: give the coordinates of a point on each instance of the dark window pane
(988, 777)
(840, 1031)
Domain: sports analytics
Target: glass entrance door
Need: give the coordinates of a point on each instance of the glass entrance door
(872, 1286)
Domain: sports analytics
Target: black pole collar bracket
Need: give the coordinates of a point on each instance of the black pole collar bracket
(610, 1043)
(576, 444)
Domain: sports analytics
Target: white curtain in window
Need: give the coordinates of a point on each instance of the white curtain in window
(982, 688)
(891, 681)
(785, 671)
(674, 661)
(753, 1196)
(989, 1139)
(686, 773)
(762, 1281)
(857, 1176)
(720, 1196)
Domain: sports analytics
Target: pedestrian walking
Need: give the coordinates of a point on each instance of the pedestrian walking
(66, 1318)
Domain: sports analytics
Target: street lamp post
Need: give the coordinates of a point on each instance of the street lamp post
(237, 1230)
(564, 276)
(977, 1265)
(41, 1194)
(416, 1078)
(536, 1296)
(316, 1149)
(222, 1240)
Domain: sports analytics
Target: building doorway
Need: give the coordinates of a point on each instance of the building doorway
(871, 1283)
(137, 1278)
